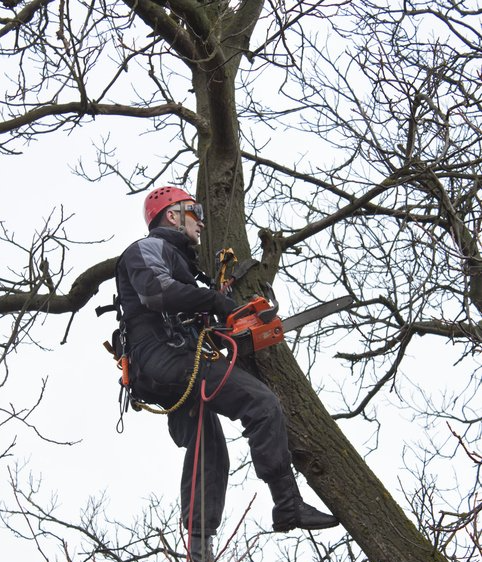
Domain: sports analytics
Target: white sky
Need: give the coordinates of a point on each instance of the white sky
(81, 399)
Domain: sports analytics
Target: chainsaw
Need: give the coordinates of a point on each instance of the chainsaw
(256, 325)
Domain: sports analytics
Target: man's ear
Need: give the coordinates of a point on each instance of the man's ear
(171, 218)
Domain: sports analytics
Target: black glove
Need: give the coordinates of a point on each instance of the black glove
(223, 306)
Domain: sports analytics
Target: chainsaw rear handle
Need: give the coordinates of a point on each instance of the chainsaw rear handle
(241, 311)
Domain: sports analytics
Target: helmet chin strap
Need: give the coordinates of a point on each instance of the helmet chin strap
(182, 218)
(182, 204)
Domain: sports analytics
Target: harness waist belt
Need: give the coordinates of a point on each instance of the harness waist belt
(165, 328)
(145, 320)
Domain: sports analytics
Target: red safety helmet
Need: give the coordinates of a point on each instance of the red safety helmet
(161, 198)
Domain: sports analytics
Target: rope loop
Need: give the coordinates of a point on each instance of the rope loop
(192, 379)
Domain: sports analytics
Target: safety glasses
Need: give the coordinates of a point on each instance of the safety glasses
(195, 208)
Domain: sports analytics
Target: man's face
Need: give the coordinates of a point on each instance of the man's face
(193, 224)
(193, 227)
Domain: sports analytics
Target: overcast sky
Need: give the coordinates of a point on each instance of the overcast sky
(81, 398)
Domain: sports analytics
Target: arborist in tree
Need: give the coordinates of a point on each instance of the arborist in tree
(160, 298)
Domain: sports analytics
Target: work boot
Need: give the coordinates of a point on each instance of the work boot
(201, 549)
(290, 511)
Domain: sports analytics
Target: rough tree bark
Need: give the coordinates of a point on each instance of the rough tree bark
(337, 473)
(322, 454)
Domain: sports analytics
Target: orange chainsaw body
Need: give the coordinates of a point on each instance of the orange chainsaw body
(255, 326)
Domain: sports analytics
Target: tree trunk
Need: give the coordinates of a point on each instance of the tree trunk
(220, 181)
(337, 473)
(331, 465)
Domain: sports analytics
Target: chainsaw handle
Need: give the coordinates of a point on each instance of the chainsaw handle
(240, 312)
(268, 315)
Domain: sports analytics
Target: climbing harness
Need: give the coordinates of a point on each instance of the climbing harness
(118, 348)
(213, 355)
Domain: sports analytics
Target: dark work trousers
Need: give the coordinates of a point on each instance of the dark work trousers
(163, 375)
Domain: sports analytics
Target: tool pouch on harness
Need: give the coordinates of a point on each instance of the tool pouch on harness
(118, 344)
(118, 348)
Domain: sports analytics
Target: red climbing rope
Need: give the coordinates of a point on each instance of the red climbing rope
(204, 400)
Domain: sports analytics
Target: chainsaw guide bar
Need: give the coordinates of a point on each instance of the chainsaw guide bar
(297, 321)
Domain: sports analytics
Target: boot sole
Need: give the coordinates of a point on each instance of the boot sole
(286, 528)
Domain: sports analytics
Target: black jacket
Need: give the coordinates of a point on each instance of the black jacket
(158, 274)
